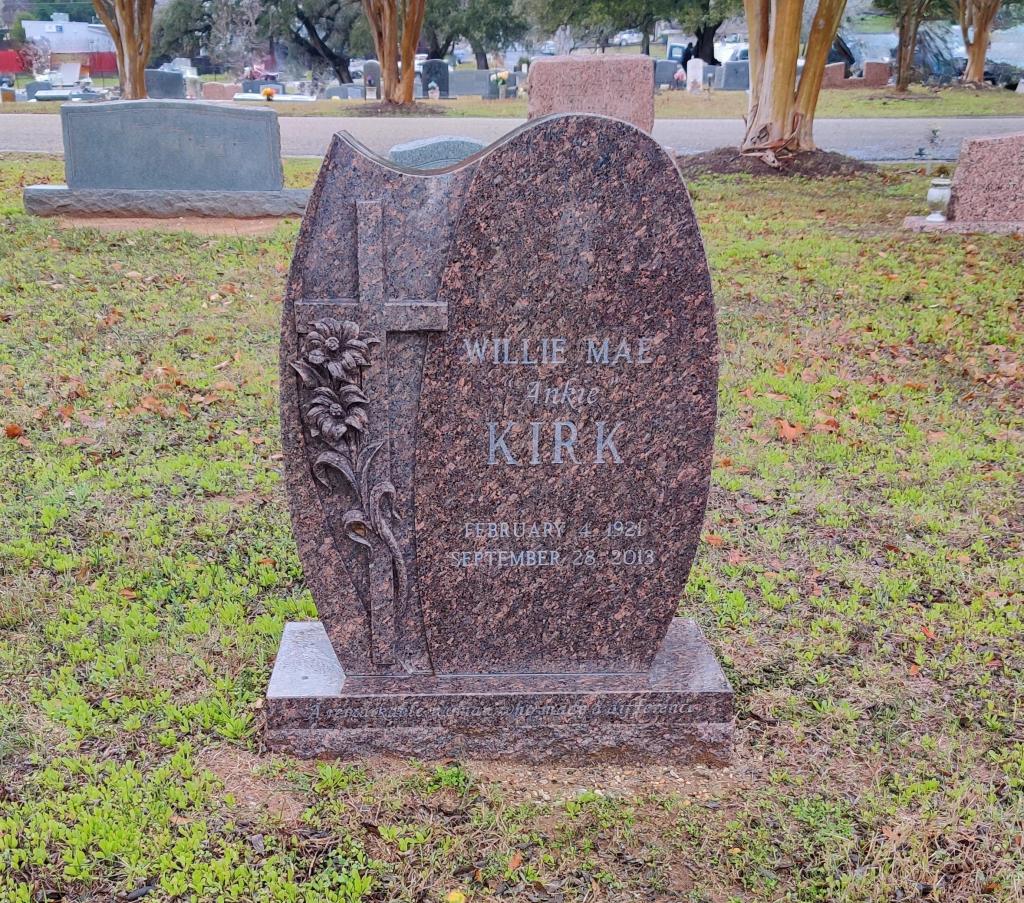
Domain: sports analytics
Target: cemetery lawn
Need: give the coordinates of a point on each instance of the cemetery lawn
(861, 578)
(846, 103)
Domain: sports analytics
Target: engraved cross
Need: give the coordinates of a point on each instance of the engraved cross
(377, 315)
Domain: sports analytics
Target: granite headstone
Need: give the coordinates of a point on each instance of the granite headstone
(371, 79)
(434, 153)
(498, 456)
(470, 82)
(168, 158)
(33, 88)
(256, 85)
(220, 90)
(435, 71)
(987, 194)
(733, 75)
(609, 85)
(162, 84)
(664, 72)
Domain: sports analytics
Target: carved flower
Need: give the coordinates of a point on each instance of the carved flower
(337, 415)
(336, 345)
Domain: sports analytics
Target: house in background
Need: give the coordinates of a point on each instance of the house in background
(74, 42)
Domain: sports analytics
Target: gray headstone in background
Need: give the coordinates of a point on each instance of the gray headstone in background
(434, 153)
(371, 74)
(345, 92)
(256, 85)
(435, 71)
(664, 72)
(168, 158)
(164, 85)
(168, 144)
(733, 75)
(469, 82)
(32, 88)
(493, 88)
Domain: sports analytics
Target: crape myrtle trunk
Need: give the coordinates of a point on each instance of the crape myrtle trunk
(780, 114)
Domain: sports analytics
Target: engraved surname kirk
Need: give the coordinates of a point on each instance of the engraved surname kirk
(568, 440)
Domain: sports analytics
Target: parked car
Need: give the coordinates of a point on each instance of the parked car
(623, 38)
(548, 48)
(734, 53)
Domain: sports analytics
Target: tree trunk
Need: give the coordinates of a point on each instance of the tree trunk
(645, 43)
(439, 47)
(774, 28)
(824, 27)
(130, 23)
(704, 49)
(412, 25)
(314, 45)
(780, 116)
(908, 26)
(396, 84)
(480, 54)
(976, 18)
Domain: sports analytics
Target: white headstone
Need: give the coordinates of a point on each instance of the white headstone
(695, 76)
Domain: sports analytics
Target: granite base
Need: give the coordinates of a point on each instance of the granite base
(959, 227)
(680, 711)
(59, 200)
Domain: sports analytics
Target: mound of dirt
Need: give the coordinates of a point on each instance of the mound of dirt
(810, 164)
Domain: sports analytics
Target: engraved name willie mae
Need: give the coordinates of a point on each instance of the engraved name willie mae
(532, 442)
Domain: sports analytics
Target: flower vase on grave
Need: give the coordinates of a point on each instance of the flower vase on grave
(938, 200)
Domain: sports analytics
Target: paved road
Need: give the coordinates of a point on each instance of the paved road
(866, 139)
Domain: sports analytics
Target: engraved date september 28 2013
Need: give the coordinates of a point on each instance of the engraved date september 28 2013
(507, 536)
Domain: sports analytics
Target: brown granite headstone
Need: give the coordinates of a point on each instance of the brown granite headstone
(987, 194)
(498, 456)
(621, 86)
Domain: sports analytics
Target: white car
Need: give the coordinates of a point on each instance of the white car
(623, 38)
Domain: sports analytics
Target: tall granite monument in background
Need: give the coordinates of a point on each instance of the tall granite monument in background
(498, 456)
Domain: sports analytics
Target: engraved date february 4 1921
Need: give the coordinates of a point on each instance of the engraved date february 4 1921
(506, 555)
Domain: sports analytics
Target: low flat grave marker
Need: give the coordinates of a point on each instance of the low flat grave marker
(498, 456)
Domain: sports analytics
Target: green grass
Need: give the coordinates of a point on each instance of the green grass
(845, 103)
(862, 585)
(872, 24)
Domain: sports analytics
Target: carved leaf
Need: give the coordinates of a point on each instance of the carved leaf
(385, 491)
(355, 526)
(330, 460)
(310, 378)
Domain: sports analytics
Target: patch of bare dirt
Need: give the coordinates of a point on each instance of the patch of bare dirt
(810, 164)
(239, 771)
(198, 225)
